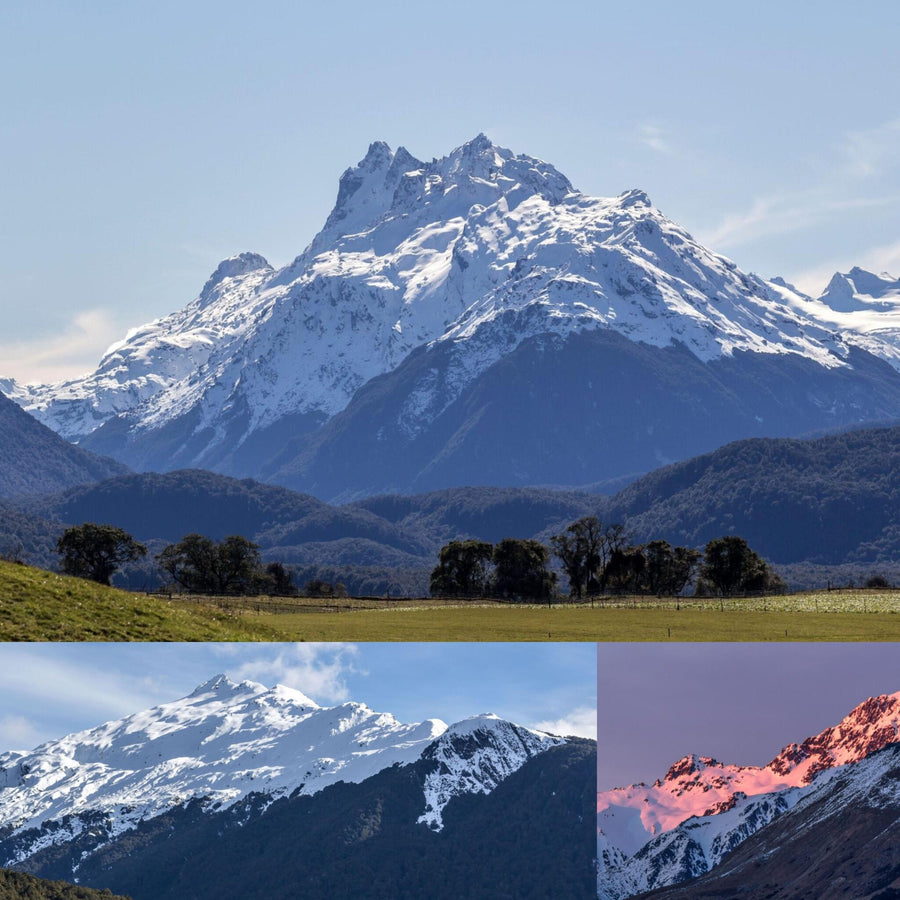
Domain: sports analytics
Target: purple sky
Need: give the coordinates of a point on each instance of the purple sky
(740, 703)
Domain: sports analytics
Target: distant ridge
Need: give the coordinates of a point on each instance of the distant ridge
(35, 460)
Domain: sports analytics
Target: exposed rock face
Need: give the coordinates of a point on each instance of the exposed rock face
(683, 826)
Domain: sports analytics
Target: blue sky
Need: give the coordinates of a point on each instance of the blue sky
(142, 143)
(739, 703)
(50, 690)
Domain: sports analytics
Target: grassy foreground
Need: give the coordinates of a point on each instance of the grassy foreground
(814, 616)
(36, 605)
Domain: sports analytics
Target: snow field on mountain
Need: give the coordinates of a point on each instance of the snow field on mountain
(225, 741)
(480, 250)
(682, 826)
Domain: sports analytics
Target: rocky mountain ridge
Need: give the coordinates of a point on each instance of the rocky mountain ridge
(452, 268)
(684, 824)
(228, 744)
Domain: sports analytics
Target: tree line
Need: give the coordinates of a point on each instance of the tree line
(196, 564)
(597, 559)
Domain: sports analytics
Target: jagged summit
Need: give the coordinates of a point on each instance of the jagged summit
(635, 197)
(698, 785)
(685, 824)
(228, 741)
(467, 258)
(862, 290)
(234, 266)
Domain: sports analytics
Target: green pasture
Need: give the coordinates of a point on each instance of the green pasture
(36, 605)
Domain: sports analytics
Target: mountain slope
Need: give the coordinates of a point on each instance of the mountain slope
(173, 504)
(34, 460)
(830, 500)
(682, 826)
(443, 310)
(531, 837)
(589, 407)
(220, 758)
(841, 840)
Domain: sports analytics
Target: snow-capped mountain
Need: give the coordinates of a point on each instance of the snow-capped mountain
(839, 839)
(227, 744)
(684, 824)
(439, 272)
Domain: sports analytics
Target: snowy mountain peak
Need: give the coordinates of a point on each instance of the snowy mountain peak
(867, 728)
(221, 688)
(689, 765)
(471, 255)
(474, 756)
(222, 684)
(861, 290)
(229, 740)
(634, 197)
(682, 826)
(232, 267)
(699, 785)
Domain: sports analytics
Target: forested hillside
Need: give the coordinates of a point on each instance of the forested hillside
(19, 886)
(35, 460)
(829, 500)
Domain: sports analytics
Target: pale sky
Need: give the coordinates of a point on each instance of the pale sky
(142, 143)
(738, 703)
(50, 690)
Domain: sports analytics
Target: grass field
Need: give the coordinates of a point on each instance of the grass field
(43, 606)
(36, 605)
(822, 616)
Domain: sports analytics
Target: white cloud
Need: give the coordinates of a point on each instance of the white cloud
(871, 151)
(66, 355)
(581, 722)
(784, 213)
(318, 670)
(652, 136)
(18, 732)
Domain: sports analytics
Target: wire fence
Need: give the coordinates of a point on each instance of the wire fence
(843, 600)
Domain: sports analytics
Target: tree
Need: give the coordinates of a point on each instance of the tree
(521, 570)
(201, 565)
(463, 570)
(730, 565)
(316, 587)
(580, 550)
(585, 550)
(626, 570)
(276, 580)
(668, 569)
(96, 551)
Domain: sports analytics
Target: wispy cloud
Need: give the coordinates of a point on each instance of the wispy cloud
(581, 722)
(784, 213)
(71, 353)
(318, 670)
(59, 690)
(872, 151)
(18, 732)
(843, 186)
(654, 137)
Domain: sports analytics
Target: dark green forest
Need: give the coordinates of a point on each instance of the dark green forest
(19, 886)
(821, 510)
(532, 838)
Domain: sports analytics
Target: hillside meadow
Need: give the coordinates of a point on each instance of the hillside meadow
(36, 605)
